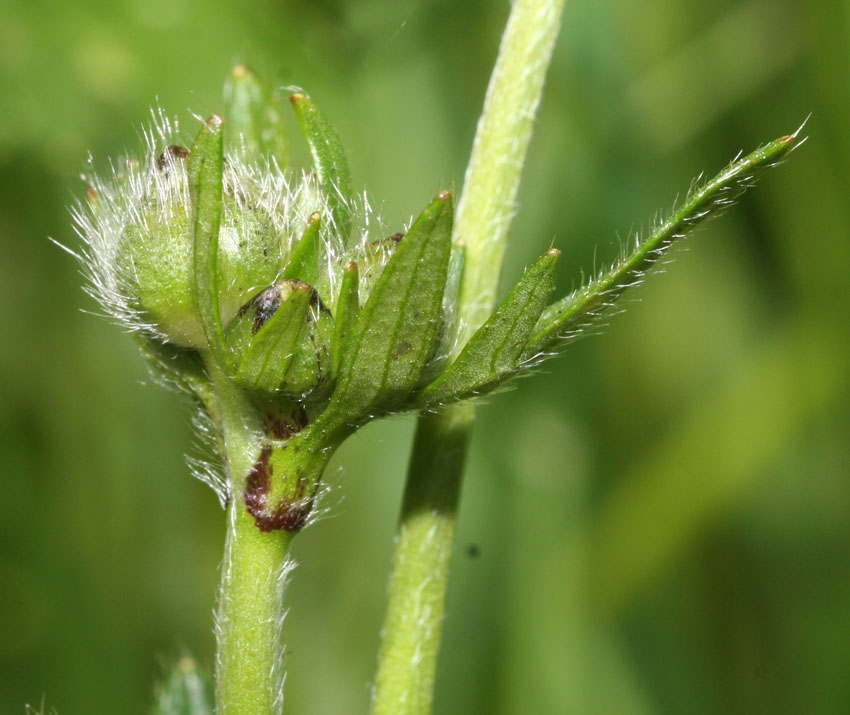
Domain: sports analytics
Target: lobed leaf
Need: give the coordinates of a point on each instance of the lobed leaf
(328, 160)
(494, 352)
(570, 316)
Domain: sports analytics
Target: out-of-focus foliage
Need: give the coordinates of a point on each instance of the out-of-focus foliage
(659, 523)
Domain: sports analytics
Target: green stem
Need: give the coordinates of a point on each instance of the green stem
(411, 636)
(249, 663)
(411, 633)
(249, 660)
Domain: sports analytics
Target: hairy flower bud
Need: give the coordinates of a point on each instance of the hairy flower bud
(280, 341)
(156, 252)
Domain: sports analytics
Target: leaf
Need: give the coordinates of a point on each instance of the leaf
(304, 263)
(394, 335)
(255, 116)
(347, 311)
(569, 317)
(205, 185)
(493, 353)
(328, 159)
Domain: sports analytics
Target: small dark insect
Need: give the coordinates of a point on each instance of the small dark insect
(169, 154)
(473, 551)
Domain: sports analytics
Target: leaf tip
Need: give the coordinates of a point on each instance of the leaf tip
(214, 122)
(444, 195)
(554, 252)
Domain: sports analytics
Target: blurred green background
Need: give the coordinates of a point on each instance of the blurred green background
(657, 522)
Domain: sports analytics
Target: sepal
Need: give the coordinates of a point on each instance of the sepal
(395, 332)
(329, 161)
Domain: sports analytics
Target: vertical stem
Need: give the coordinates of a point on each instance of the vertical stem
(249, 617)
(487, 206)
(249, 662)
(411, 633)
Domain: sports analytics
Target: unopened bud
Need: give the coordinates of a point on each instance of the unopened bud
(280, 341)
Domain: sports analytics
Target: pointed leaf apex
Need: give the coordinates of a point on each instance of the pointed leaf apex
(444, 195)
(215, 121)
(315, 217)
(350, 266)
(553, 252)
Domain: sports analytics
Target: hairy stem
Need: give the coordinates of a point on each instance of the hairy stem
(249, 659)
(411, 634)
(249, 663)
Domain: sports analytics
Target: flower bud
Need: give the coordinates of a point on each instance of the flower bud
(156, 251)
(280, 341)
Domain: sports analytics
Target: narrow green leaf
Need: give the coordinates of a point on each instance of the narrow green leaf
(304, 262)
(394, 335)
(569, 317)
(265, 337)
(328, 159)
(448, 334)
(493, 353)
(184, 692)
(255, 116)
(205, 185)
(347, 311)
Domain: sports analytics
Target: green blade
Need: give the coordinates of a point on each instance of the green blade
(328, 160)
(493, 353)
(347, 311)
(268, 335)
(304, 263)
(569, 317)
(205, 186)
(255, 117)
(394, 335)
